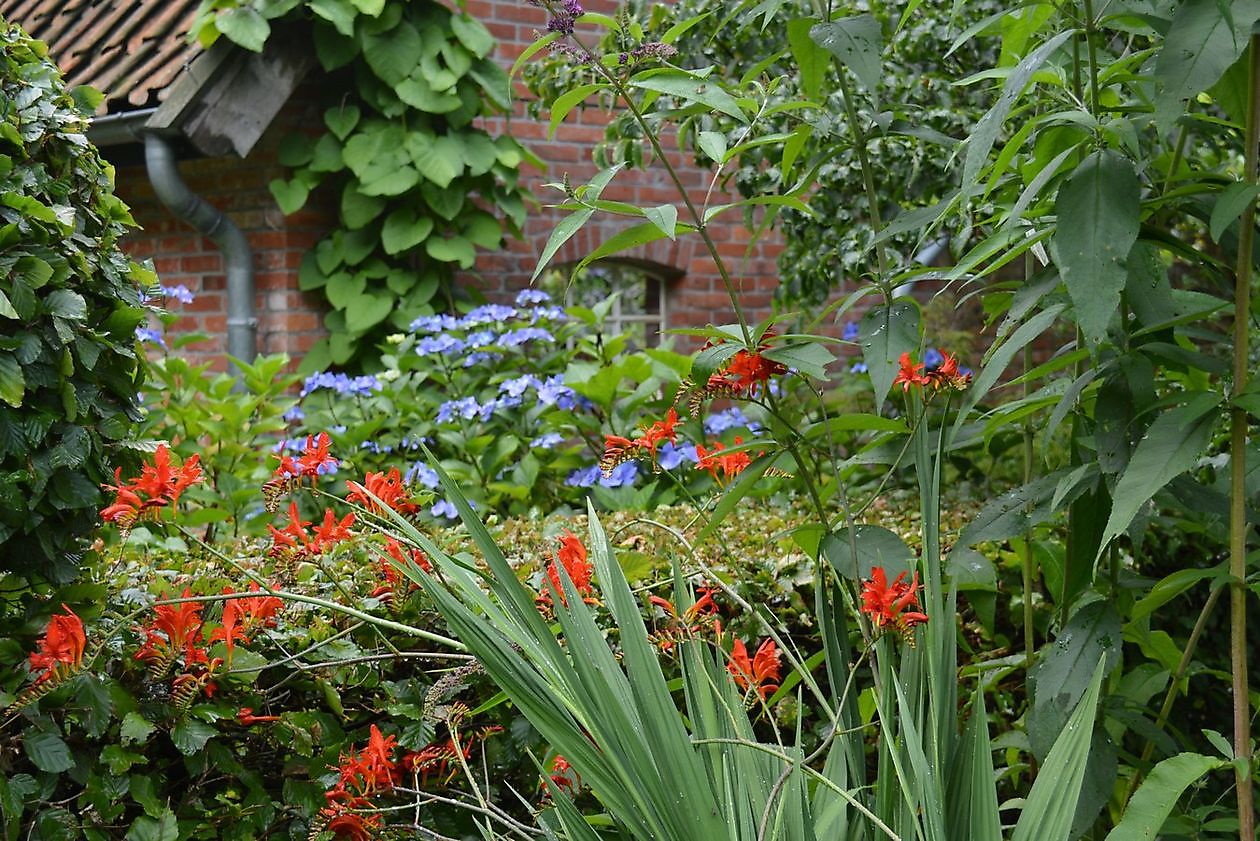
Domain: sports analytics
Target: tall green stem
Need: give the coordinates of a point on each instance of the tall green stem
(1238, 466)
(1029, 458)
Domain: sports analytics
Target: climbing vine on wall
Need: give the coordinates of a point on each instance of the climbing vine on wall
(420, 187)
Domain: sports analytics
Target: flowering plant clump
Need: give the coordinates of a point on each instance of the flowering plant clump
(886, 604)
(159, 485)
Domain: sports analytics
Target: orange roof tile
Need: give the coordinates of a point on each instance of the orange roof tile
(131, 50)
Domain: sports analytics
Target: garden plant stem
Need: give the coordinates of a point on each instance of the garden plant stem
(1238, 470)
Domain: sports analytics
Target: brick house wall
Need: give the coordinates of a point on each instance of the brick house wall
(291, 321)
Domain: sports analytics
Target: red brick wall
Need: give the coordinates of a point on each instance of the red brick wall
(290, 321)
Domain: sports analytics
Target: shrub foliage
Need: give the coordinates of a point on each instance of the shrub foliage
(69, 306)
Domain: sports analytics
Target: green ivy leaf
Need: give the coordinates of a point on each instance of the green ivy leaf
(439, 159)
(244, 26)
(403, 230)
(342, 120)
(289, 195)
(337, 12)
(419, 94)
(1098, 209)
(344, 289)
(371, 8)
(367, 311)
(393, 54)
(357, 209)
(454, 249)
(472, 34)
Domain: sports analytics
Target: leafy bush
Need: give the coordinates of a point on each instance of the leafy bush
(69, 306)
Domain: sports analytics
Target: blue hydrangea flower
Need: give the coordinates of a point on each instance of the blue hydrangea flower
(732, 418)
(669, 455)
(858, 368)
(548, 314)
(532, 297)
(850, 331)
(465, 407)
(517, 386)
(434, 323)
(179, 293)
(478, 357)
(442, 343)
(554, 392)
(518, 337)
(444, 508)
(423, 474)
(547, 441)
(623, 474)
(487, 314)
(151, 336)
(481, 338)
(294, 414)
(932, 359)
(341, 383)
(584, 477)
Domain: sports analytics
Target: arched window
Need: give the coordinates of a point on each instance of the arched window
(635, 294)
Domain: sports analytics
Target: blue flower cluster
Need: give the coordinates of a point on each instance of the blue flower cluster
(623, 474)
(732, 418)
(151, 336)
(514, 327)
(550, 392)
(341, 383)
(178, 293)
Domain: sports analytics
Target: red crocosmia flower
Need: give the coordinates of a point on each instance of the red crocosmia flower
(910, 374)
(572, 555)
(175, 630)
(886, 605)
(352, 825)
(259, 611)
(618, 449)
(158, 485)
(388, 488)
(331, 531)
(947, 374)
(748, 370)
(292, 539)
(247, 718)
(564, 777)
(760, 672)
(61, 645)
(316, 460)
(230, 631)
(728, 465)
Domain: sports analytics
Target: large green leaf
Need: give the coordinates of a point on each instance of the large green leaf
(403, 230)
(1204, 39)
(1051, 804)
(986, 130)
(686, 86)
(243, 25)
(1098, 211)
(1172, 445)
(393, 54)
(857, 41)
(1060, 677)
(571, 224)
(47, 750)
(1157, 795)
(12, 380)
(884, 333)
(875, 546)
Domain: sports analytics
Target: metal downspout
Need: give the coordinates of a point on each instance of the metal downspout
(242, 320)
